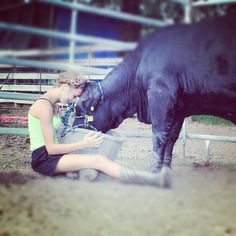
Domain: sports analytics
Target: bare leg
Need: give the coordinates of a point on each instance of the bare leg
(75, 162)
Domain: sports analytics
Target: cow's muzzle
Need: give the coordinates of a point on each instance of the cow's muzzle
(80, 120)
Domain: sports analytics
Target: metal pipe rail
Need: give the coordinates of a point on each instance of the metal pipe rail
(64, 50)
(19, 96)
(42, 76)
(204, 2)
(14, 131)
(133, 134)
(52, 65)
(67, 36)
(147, 134)
(189, 5)
(179, 1)
(218, 138)
(108, 13)
(211, 2)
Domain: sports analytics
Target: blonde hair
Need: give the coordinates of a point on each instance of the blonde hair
(73, 79)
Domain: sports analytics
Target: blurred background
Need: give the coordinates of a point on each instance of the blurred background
(41, 38)
(118, 20)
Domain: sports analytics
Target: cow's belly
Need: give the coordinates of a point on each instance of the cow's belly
(221, 105)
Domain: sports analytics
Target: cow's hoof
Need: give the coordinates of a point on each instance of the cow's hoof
(155, 167)
(166, 174)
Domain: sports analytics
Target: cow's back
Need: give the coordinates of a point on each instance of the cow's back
(201, 58)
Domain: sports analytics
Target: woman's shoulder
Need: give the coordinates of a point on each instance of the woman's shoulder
(41, 108)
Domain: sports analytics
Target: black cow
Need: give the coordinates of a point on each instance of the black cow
(174, 73)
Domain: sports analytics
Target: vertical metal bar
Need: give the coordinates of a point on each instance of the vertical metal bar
(188, 11)
(184, 137)
(73, 26)
(51, 25)
(14, 81)
(208, 146)
(40, 81)
(187, 20)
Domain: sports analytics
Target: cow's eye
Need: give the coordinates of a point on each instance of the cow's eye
(92, 108)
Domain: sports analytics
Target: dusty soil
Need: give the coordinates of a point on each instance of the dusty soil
(201, 202)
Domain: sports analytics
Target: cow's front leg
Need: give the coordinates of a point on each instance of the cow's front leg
(174, 134)
(161, 107)
(159, 143)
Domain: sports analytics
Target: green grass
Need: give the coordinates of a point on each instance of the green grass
(213, 120)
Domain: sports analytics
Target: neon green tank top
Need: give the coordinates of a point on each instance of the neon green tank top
(36, 134)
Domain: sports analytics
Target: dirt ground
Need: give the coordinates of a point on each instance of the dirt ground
(202, 201)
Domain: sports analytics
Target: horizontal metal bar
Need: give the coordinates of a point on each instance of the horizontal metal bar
(16, 101)
(106, 61)
(14, 131)
(64, 50)
(146, 134)
(108, 13)
(179, 1)
(17, 5)
(65, 35)
(25, 76)
(211, 137)
(42, 76)
(55, 66)
(25, 87)
(19, 96)
(211, 2)
(133, 134)
(111, 62)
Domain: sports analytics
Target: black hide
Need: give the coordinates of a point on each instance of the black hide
(174, 73)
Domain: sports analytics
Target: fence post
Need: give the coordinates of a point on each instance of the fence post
(14, 82)
(184, 137)
(40, 82)
(188, 11)
(73, 27)
(208, 145)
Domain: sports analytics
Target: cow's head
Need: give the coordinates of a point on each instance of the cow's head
(94, 109)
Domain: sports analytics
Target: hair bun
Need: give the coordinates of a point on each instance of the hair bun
(72, 78)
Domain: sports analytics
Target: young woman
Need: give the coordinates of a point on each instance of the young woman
(51, 158)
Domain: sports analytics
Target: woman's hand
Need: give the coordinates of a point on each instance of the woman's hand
(92, 139)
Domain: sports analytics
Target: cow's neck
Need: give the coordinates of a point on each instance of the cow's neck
(119, 88)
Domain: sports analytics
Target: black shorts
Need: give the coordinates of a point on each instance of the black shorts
(44, 163)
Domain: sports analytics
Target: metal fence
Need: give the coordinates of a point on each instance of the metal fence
(11, 58)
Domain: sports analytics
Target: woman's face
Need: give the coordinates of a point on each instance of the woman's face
(69, 94)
